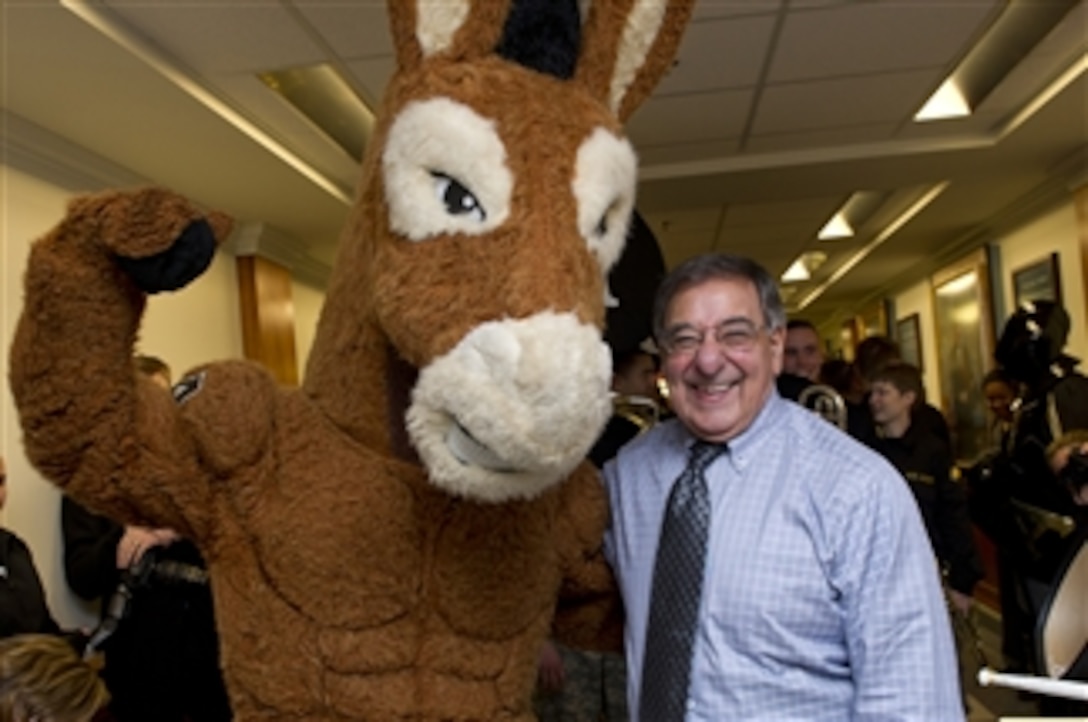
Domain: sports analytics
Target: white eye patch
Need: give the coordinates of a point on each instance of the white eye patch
(604, 186)
(445, 171)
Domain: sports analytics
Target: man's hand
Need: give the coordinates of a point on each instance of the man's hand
(137, 540)
(550, 669)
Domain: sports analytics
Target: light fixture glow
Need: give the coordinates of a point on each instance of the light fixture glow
(947, 102)
(796, 272)
(837, 227)
(803, 268)
(958, 285)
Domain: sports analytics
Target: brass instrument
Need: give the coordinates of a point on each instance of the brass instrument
(641, 411)
(826, 402)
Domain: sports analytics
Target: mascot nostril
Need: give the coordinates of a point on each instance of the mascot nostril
(179, 264)
(395, 538)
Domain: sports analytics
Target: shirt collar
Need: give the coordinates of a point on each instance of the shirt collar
(744, 447)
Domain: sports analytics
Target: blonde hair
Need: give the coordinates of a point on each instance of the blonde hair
(44, 680)
(1075, 437)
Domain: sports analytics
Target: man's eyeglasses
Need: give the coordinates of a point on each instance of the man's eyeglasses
(739, 334)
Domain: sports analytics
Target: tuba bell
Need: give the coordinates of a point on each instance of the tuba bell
(826, 402)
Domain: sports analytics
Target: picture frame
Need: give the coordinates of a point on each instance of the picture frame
(1037, 281)
(964, 331)
(908, 334)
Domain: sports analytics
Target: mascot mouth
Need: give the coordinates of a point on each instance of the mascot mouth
(470, 452)
(512, 408)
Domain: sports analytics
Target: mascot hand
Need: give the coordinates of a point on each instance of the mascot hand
(160, 239)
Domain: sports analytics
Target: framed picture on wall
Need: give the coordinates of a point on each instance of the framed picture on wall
(1039, 281)
(908, 334)
(964, 343)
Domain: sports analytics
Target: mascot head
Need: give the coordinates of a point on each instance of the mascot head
(462, 327)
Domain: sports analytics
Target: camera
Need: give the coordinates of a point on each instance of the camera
(1075, 473)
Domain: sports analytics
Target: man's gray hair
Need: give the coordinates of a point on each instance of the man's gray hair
(711, 266)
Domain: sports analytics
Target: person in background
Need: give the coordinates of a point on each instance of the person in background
(635, 403)
(804, 353)
(42, 679)
(811, 591)
(926, 464)
(873, 354)
(1000, 391)
(1068, 459)
(990, 510)
(162, 663)
(1023, 490)
(23, 608)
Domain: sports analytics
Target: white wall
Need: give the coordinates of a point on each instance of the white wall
(200, 323)
(1055, 231)
(307, 301)
(919, 299)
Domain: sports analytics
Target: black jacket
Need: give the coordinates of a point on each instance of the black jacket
(22, 599)
(926, 463)
(163, 661)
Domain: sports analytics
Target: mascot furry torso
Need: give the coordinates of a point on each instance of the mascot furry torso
(389, 541)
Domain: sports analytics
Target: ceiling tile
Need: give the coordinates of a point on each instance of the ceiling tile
(861, 100)
(224, 38)
(687, 118)
(720, 54)
(352, 30)
(875, 37)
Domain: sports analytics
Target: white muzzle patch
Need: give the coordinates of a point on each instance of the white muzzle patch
(513, 408)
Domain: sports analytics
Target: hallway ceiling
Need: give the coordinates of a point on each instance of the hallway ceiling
(777, 113)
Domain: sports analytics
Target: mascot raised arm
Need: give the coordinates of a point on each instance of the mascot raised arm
(389, 541)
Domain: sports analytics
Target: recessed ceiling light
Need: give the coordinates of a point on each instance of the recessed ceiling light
(948, 102)
(837, 227)
(803, 268)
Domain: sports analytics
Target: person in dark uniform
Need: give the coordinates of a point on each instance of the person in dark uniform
(1019, 491)
(23, 609)
(926, 462)
(162, 661)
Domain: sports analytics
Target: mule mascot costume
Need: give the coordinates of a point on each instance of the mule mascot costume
(389, 541)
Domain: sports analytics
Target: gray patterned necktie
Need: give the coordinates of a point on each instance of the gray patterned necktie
(676, 592)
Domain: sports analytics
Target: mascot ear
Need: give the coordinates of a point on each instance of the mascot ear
(627, 45)
(457, 29)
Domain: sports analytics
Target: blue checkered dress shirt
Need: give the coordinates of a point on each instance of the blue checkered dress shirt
(822, 599)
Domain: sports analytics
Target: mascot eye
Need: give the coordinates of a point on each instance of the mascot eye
(458, 200)
(602, 226)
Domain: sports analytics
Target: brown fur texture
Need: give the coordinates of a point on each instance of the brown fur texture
(347, 585)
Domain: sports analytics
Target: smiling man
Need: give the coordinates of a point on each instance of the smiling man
(771, 567)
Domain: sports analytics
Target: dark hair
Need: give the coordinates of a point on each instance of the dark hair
(840, 375)
(999, 376)
(624, 360)
(710, 266)
(904, 377)
(800, 323)
(873, 353)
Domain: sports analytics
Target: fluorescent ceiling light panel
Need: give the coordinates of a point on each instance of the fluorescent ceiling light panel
(948, 102)
(796, 272)
(837, 227)
(805, 265)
